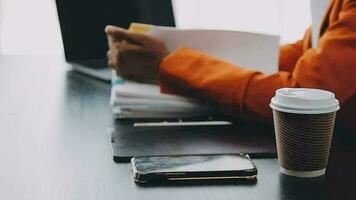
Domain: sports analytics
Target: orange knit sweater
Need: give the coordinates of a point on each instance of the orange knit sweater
(246, 94)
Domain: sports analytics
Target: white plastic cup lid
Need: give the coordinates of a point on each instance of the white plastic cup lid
(304, 101)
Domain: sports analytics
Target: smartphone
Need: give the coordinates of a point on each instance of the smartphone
(193, 168)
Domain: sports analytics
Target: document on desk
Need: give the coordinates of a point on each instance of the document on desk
(141, 100)
(251, 50)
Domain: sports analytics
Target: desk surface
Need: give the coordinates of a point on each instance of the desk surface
(54, 145)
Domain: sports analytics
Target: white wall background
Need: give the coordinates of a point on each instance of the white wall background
(31, 26)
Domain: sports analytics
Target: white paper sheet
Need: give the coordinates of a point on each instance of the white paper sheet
(250, 50)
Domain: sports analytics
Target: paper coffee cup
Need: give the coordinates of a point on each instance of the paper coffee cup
(304, 122)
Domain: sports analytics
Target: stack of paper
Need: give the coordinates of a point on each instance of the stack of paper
(137, 100)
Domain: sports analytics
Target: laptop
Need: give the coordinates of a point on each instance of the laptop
(82, 24)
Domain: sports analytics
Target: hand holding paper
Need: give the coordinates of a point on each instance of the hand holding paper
(137, 54)
(134, 55)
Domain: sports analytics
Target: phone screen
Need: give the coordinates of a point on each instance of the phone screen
(193, 163)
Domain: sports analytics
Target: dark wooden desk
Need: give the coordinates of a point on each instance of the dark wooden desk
(54, 145)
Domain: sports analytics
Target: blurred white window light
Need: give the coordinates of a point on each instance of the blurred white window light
(287, 18)
(31, 26)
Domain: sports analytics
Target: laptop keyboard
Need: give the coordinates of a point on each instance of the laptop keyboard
(94, 64)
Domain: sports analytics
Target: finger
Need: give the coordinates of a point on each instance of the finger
(125, 48)
(110, 64)
(120, 34)
(109, 57)
(111, 29)
(111, 41)
(113, 59)
(115, 33)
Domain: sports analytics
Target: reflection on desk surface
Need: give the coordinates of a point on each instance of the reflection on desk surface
(54, 145)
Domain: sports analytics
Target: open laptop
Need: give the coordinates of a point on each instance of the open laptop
(82, 25)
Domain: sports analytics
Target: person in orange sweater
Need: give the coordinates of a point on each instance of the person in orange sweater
(243, 93)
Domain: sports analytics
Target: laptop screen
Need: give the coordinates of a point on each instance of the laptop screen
(82, 22)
